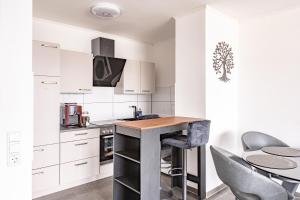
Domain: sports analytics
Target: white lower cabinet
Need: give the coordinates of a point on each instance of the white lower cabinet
(45, 156)
(45, 178)
(76, 150)
(80, 169)
(79, 135)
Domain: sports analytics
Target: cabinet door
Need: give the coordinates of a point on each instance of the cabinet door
(45, 156)
(147, 78)
(76, 72)
(45, 58)
(46, 110)
(131, 77)
(45, 178)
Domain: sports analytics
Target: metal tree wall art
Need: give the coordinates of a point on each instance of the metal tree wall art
(223, 60)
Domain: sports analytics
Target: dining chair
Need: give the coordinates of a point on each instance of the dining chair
(245, 183)
(253, 141)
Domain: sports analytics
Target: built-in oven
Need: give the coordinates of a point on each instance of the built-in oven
(106, 144)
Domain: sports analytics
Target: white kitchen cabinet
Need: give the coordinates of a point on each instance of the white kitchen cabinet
(45, 58)
(45, 156)
(137, 78)
(69, 136)
(147, 78)
(131, 77)
(45, 178)
(77, 150)
(78, 170)
(46, 110)
(76, 72)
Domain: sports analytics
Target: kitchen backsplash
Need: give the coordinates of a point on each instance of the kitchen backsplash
(104, 104)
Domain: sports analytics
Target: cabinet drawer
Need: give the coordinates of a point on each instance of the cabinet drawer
(45, 156)
(45, 178)
(79, 135)
(79, 170)
(71, 151)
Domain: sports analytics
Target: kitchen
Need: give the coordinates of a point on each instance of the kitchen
(73, 63)
(149, 100)
(75, 149)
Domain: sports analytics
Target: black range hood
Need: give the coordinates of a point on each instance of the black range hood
(107, 69)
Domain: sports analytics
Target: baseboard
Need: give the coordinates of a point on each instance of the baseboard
(193, 191)
(216, 190)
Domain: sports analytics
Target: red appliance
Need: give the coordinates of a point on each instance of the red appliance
(71, 115)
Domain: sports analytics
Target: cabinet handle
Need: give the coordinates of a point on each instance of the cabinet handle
(84, 90)
(49, 46)
(79, 134)
(38, 173)
(129, 90)
(107, 137)
(39, 150)
(145, 90)
(49, 83)
(84, 163)
(80, 144)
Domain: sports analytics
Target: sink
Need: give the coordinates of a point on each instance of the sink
(143, 117)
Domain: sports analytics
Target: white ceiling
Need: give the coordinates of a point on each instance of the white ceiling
(149, 20)
(245, 9)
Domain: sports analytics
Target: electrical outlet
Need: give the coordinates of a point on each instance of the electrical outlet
(13, 148)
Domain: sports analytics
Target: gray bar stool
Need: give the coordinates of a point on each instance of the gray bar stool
(197, 135)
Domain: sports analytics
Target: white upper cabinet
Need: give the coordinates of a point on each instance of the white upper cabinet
(46, 110)
(137, 78)
(131, 75)
(147, 78)
(76, 72)
(45, 58)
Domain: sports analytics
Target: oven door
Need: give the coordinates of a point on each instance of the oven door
(106, 148)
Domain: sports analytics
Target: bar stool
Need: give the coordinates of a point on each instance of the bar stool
(197, 135)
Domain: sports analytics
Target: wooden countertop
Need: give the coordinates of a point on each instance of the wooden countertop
(157, 123)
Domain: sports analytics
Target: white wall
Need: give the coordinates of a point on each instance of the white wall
(79, 39)
(190, 64)
(190, 71)
(16, 96)
(221, 97)
(163, 100)
(164, 57)
(198, 91)
(269, 92)
(102, 104)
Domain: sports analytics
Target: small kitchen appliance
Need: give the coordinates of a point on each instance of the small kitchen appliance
(71, 115)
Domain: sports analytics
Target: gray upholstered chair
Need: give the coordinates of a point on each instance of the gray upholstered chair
(197, 135)
(253, 141)
(245, 183)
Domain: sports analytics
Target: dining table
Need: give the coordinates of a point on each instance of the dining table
(291, 174)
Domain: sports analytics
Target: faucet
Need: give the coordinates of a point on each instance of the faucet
(135, 111)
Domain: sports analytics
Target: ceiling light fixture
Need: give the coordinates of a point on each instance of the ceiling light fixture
(105, 10)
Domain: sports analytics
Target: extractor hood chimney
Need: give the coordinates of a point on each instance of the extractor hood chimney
(107, 69)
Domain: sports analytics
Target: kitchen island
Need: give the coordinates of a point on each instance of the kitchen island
(137, 158)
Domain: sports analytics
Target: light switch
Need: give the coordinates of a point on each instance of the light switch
(13, 148)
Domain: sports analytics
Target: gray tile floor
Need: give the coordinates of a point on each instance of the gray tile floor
(102, 190)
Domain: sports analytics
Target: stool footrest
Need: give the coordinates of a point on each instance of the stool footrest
(175, 171)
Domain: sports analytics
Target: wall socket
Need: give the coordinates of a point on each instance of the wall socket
(13, 148)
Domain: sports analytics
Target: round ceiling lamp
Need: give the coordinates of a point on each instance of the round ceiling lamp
(105, 10)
